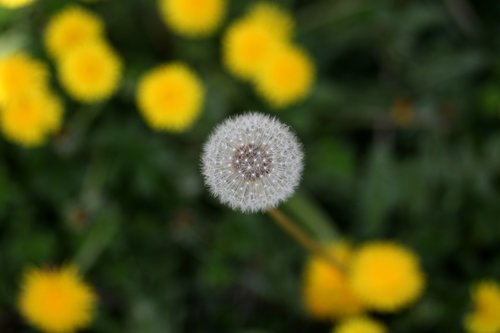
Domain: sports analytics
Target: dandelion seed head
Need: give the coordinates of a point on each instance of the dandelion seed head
(252, 162)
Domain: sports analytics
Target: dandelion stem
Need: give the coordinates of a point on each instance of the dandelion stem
(300, 236)
(98, 239)
(307, 213)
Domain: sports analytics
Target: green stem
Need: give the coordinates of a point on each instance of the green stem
(311, 215)
(103, 217)
(96, 241)
(297, 234)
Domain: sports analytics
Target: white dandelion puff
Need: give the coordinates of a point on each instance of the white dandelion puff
(252, 162)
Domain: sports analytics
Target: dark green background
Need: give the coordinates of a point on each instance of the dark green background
(129, 205)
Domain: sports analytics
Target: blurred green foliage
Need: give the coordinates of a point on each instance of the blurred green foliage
(129, 205)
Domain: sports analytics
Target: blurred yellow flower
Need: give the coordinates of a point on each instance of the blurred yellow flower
(326, 292)
(193, 18)
(31, 117)
(386, 276)
(170, 97)
(485, 317)
(71, 28)
(91, 72)
(246, 45)
(56, 300)
(19, 73)
(249, 41)
(276, 19)
(15, 3)
(285, 77)
(360, 325)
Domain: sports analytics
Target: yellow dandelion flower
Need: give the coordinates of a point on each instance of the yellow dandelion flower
(193, 18)
(91, 72)
(285, 77)
(386, 276)
(30, 118)
(19, 73)
(15, 3)
(485, 317)
(246, 45)
(273, 17)
(170, 97)
(326, 292)
(69, 29)
(360, 325)
(56, 301)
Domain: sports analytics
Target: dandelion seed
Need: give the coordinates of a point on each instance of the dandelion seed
(266, 162)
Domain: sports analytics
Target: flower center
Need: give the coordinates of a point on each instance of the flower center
(252, 161)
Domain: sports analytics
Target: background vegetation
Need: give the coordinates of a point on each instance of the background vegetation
(402, 141)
